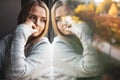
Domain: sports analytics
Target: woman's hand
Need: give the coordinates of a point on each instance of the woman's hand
(31, 26)
(26, 29)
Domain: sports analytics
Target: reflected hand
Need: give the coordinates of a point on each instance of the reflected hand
(73, 27)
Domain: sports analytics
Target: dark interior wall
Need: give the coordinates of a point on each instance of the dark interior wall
(9, 10)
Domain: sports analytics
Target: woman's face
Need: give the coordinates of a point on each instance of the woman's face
(60, 13)
(37, 15)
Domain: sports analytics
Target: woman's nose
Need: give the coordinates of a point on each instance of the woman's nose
(38, 22)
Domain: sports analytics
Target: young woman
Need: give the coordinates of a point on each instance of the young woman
(24, 54)
(73, 55)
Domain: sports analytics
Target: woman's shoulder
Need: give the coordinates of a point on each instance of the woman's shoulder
(5, 43)
(7, 39)
(57, 40)
(42, 42)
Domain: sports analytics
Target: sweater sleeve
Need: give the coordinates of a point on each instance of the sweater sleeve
(21, 65)
(90, 63)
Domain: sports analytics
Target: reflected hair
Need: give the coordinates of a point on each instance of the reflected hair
(56, 4)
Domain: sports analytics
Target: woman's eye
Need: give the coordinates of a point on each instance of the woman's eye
(43, 20)
(58, 19)
(33, 18)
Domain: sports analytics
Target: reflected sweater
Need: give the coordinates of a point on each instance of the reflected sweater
(74, 57)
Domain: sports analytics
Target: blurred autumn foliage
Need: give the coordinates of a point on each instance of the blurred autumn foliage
(103, 6)
(103, 19)
(113, 10)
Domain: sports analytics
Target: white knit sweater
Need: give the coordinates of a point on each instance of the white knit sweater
(69, 58)
(33, 64)
(74, 57)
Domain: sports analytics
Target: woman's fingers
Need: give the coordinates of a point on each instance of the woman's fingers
(35, 30)
(32, 26)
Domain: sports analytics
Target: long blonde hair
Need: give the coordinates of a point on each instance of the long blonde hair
(24, 13)
(26, 10)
